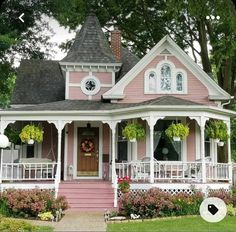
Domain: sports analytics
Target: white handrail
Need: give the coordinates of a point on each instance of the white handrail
(174, 170)
(28, 171)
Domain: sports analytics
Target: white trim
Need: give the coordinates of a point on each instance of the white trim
(83, 124)
(167, 43)
(67, 85)
(197, 141)
(65, 152)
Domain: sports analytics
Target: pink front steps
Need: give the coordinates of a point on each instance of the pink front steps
(88, 195)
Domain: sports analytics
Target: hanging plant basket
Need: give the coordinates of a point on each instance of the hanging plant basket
(177, 131)
(133, 140)
(176, 139)
(133, 132)
(221, 144)
(217, 130)
(31, 133)
(30, 141)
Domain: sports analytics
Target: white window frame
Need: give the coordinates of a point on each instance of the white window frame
(97, 87)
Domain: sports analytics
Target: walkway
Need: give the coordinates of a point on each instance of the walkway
(78, 221)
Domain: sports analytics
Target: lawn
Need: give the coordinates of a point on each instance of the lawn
(193, 224)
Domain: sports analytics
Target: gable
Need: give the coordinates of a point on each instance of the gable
(166, 49)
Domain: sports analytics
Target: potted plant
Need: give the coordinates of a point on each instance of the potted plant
(133, 132)
(218, 131)
(124, 184)
(31, 133)
(177, 131)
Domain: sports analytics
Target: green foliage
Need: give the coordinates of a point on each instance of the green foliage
(217, 129)
(31, 132)
(133, 131)
(46, 216)
(231, 211)
(13, 135)
(177, 130)
(9, 224)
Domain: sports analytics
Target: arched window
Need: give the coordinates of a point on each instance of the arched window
(152, 81)
(165, 78)
(179, 82)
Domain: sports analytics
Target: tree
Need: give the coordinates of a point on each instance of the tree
(19, 39)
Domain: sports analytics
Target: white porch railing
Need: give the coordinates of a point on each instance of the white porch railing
(173, 170)
(28, 171)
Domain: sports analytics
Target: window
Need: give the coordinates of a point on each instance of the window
(30, 151)
(122, 144)
(165, 78)
(90, 85)
(179, 82)
(152, 80)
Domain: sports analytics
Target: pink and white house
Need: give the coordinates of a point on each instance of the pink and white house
(89, 96)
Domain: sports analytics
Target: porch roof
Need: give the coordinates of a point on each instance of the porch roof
(88, 105)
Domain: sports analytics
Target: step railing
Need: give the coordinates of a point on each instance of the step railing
(28, 171)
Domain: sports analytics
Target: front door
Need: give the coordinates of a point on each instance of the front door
(88, 153)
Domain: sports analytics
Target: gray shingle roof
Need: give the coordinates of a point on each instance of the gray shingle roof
(128, 60)
(87, 105)
(38, 81)
(90, 45)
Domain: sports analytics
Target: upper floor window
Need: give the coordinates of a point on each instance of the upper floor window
(165, 79)
(179, 82)
(152, 79)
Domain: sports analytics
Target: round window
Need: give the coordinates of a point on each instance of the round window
(90, 85)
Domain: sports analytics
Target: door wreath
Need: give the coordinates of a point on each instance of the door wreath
(87, 145)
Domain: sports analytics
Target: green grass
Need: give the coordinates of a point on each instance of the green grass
(44, 229)
(185, 224)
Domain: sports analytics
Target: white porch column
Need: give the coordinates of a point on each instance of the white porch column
(112, 124)
(202, 132)
(151, 120)
(229, 153)
(3, 126)
(59, 124)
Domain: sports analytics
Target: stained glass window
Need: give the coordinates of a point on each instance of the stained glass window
(165, 78)
(179, 82)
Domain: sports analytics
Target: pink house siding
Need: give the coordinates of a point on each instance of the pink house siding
(105, 137)
(47, 143)
(134, 91)
(104, 77)
(70, 144)
(75, 93)
(191, 148)
(141, 145)
(76, 77)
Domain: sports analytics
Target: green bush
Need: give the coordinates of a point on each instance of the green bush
(9, 224)
(156, 203)
(29, 203)
(231, 211)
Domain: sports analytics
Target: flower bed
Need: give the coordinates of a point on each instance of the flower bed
(30, 203)
(157, 203)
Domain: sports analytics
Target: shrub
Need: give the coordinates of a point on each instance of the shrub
(9, 224)
(227, 197)
(124, 184)
(231, 211)
(156, 203)
(29, 203)
(46, 216)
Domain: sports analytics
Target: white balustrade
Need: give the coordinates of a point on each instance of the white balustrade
(173, 170)
(28, 171)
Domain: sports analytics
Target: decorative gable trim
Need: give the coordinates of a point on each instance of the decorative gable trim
(166, 43)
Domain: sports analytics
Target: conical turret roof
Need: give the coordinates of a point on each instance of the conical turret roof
(90, 45)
